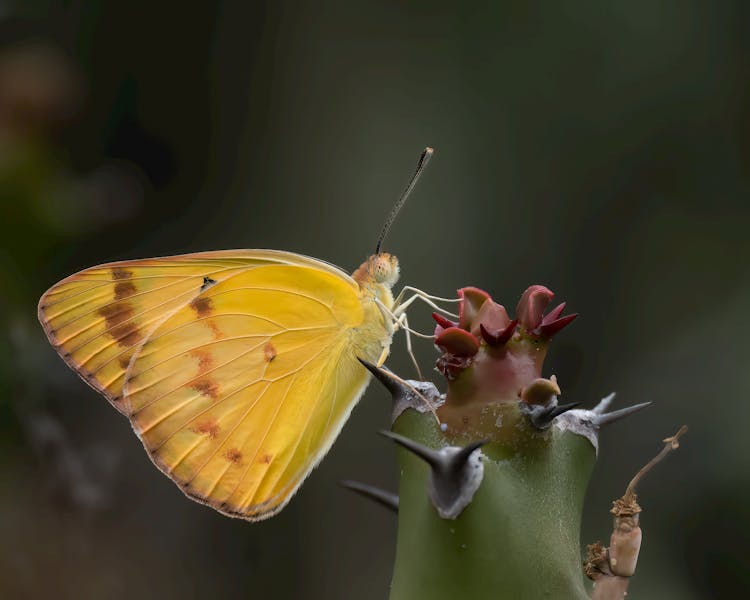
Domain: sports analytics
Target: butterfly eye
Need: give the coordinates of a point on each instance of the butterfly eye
(385, 269)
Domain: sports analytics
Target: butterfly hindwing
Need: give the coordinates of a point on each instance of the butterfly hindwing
(237, 400)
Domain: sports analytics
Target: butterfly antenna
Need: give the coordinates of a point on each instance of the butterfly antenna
(424, 158)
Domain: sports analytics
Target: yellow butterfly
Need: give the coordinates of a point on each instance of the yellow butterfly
(237, 368)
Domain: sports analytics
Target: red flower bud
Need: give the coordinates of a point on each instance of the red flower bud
(472, 300)
(530, 309)
(492, 315)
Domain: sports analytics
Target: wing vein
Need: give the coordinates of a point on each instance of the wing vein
(260, 445)
(224, 398)
(226, 439)
(136, 295)
(224, 364)
(299, 441)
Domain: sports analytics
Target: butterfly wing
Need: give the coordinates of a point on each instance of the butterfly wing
(238, 383)
(97, 318)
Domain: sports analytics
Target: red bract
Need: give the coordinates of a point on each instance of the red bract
(501, 336)
(548, 328)
(458, 342)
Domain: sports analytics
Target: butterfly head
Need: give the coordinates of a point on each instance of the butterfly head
(384, 268)
(379, 269)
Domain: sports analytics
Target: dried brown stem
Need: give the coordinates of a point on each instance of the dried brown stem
(670, 443)
(611, 568)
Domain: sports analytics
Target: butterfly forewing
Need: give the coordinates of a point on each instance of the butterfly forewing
(97, 318)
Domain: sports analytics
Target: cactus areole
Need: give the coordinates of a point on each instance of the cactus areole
(491, 497)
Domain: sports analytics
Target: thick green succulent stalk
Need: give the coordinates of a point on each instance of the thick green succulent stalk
(491, 496)
(518, 538)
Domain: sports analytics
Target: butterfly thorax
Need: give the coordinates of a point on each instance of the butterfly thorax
(376, 277)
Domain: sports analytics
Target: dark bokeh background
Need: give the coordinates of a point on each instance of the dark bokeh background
(600, 148)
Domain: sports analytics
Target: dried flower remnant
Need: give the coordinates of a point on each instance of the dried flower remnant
(611, 568)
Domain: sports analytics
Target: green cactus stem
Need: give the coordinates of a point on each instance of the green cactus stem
(517, 535)
(517, 539)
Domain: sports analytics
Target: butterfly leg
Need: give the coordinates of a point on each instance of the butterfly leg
(403, 322)
(383, 355)
(388, 315)
(401, 305)
(400, 322)
(407, 289)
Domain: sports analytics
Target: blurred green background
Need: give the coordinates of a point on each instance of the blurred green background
(599, 148)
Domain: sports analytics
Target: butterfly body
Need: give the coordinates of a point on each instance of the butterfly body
(237, 369)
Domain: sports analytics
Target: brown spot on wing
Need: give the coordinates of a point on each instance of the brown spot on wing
(207, 387)
(116, 313)
(202, 306)
(205, 361)
(269, 352)
(210, 428)
(127, 334)
(124, 361)
(214, 329)
(120, 326)
(124, 287)
(233, 455)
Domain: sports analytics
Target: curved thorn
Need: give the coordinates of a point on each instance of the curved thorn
(560, 409)
(376, 494)
(542, 417)
(459, 459)
(400, 389)
(600, 420)
(604, 404)
(429, 455)
(455, 479)
(384, 376)
(455, 473)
